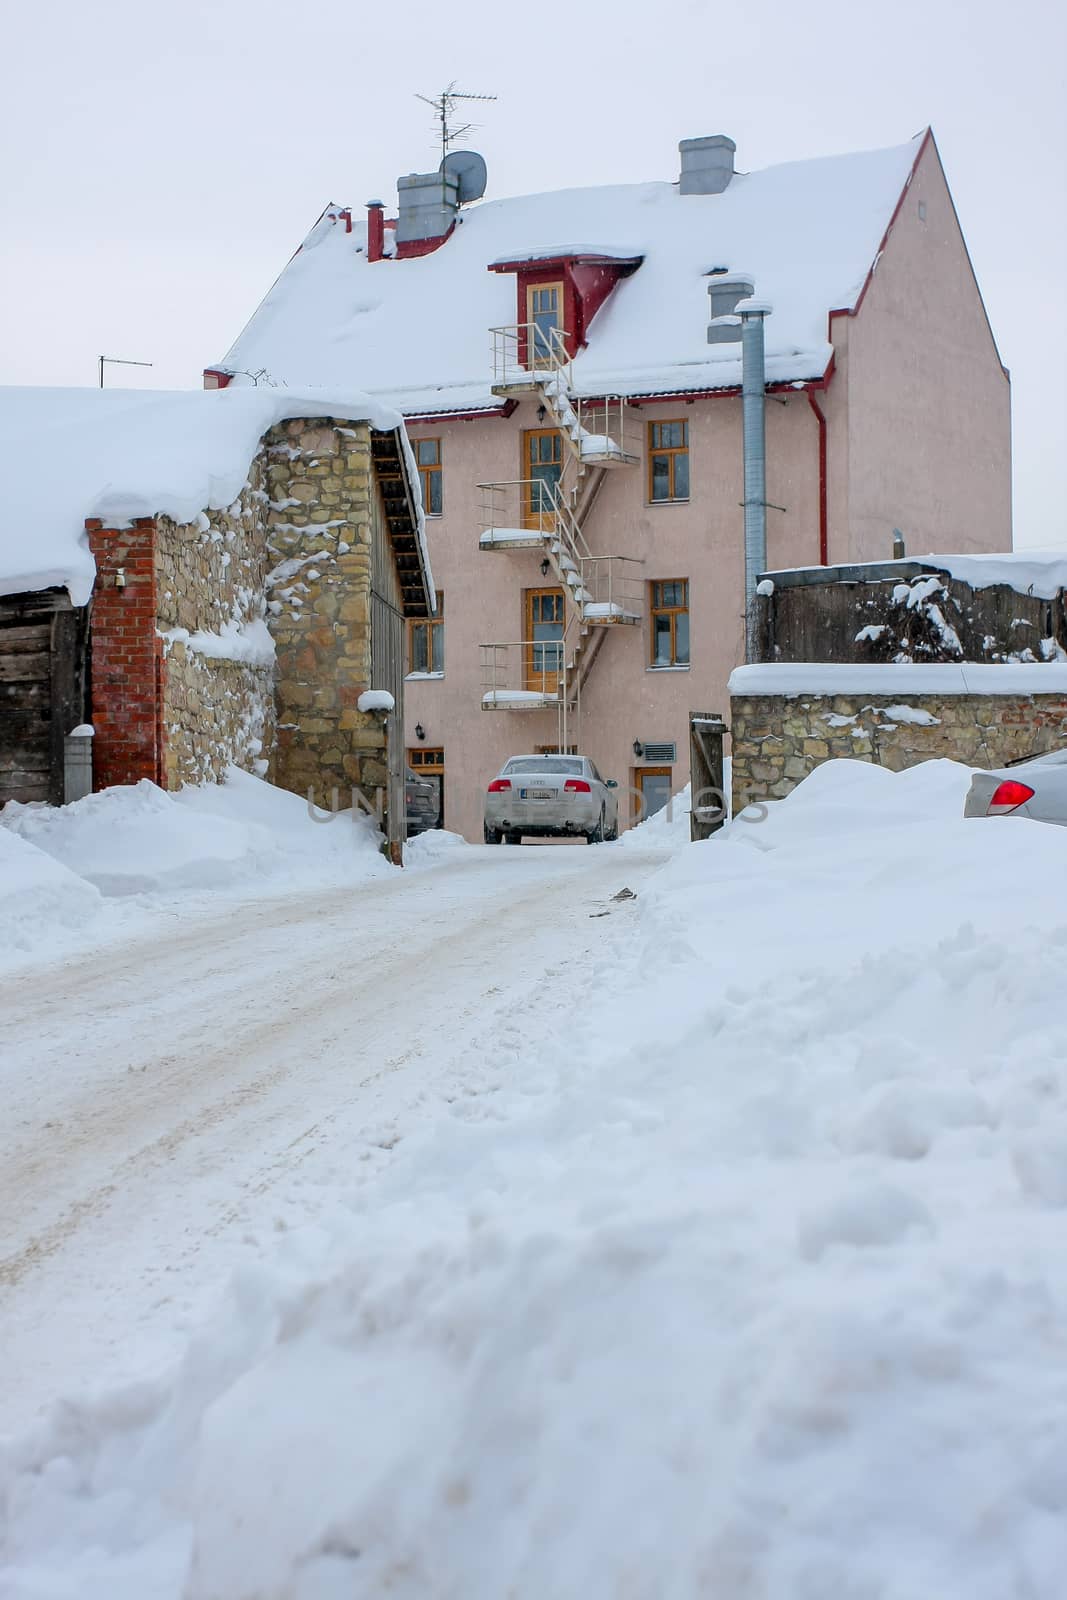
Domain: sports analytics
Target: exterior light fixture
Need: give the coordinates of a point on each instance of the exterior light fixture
(544, 567)
(639, 749)
(420, 731)
(541, 413)
(120, 577)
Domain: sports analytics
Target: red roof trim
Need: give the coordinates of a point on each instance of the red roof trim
(418, 417)
(851, 311)
(625, 264)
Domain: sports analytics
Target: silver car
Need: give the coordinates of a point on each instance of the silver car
(1035, 789)
(549, 796)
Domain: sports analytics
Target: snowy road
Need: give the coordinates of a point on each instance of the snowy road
(167, 1097)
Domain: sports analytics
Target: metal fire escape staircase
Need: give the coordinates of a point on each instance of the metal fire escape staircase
(600, 591)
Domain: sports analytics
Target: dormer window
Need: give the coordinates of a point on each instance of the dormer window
(559, 295)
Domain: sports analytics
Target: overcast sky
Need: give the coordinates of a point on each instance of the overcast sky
(161, 162)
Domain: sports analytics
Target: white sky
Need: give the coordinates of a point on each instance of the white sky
(161, 161)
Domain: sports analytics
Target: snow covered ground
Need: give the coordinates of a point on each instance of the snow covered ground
(704, 1244)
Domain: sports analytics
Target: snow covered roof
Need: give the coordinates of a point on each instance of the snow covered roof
(68, 454)
(416, 330)
(794, 678)
(1042, 573)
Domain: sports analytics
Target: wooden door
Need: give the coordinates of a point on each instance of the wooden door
(542, 469)
(544, 639)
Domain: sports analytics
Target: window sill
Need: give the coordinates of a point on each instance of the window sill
(684, 502)
(668, 669)
(432, 516)
(423, 677)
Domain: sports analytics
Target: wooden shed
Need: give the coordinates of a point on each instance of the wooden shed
(43, 690)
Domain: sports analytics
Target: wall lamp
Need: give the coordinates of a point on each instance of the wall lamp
(544, 567)
(639, 749)
(541, 413)
(420, 731)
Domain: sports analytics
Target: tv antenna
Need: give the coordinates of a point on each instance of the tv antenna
(444, 108)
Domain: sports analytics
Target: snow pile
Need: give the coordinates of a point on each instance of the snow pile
(134, 453)
(667, 827)
(39, 898)
(746, 1280)
(436, 844)
(795, 678)
(376, 700)
(138, 839)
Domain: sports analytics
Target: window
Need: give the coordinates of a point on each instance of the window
(668, 461)
(428, 460)
(544, 314)
(670, 623)
(426, 642)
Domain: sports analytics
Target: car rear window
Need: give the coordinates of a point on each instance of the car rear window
(557, 764)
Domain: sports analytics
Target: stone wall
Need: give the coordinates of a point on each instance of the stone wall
(321, 505)
(778, 739)
(218, 677)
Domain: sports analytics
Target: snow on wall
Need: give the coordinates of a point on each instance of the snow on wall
(133, 453)
(808, 231)
(794, 678)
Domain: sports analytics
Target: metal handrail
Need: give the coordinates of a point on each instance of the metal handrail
(613, 581)
(514, 336)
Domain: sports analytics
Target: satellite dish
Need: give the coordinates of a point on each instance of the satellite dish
(468, 169)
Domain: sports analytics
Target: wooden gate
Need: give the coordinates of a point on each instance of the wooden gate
(710, 803)
(42, 691)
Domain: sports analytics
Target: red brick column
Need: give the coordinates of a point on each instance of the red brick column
(127, 655)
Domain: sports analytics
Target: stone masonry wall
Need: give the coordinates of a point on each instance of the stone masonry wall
(777, 739)
(218, 679)
(321, 490)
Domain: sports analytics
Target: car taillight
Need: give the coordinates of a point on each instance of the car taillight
(576, 786)
(1008, 796)
(498, 785)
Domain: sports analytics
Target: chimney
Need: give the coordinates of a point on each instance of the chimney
(429, 202)
(707, 164)
(726, 289)
(375, 230)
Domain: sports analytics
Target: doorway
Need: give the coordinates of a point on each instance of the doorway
(430, 764)
(653, 784)
(544, 314)
(544, 639)
(542, 469)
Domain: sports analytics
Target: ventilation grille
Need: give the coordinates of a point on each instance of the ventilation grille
(662, 755)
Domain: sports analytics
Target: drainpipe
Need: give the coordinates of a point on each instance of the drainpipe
(753, 405)
(824, 521)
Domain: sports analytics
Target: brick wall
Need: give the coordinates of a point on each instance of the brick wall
(778, 739)
(127, 656)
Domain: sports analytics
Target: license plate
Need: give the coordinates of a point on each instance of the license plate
(535, 794)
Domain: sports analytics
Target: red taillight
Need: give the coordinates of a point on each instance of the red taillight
(576, 786)
(498, 785)
(1008, 796)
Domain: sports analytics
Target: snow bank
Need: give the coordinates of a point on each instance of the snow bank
(132, 453)
(39, 898)
(668, 827)
(140, 840)
(745, 1279)
(436, 844)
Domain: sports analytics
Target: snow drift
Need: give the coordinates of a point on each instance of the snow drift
(747, 1282)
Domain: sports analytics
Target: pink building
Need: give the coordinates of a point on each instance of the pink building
(569, 366)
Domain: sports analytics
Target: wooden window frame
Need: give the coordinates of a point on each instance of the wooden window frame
(673, 612)
(671, 453)
(427, 758)
(427, 471)
(431, 625)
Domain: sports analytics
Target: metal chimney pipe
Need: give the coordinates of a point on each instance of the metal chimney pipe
(753, 406)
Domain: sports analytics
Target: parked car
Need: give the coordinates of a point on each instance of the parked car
(1036, 788)
(549, 796)
(421, 803)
